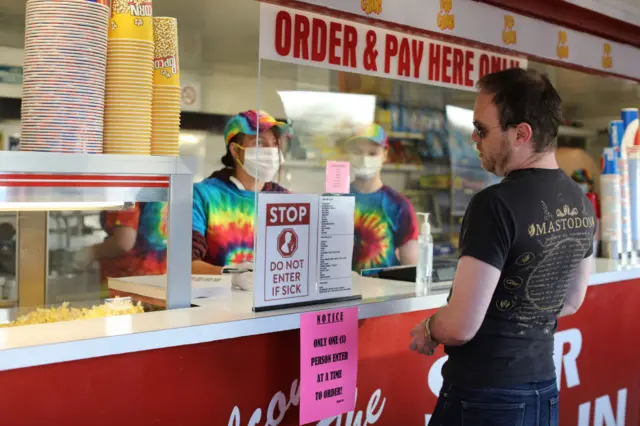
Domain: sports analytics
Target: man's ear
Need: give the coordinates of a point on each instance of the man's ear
(524, 134)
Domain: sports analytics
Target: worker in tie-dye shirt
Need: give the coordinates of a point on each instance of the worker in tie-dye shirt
(136, 242)
(224, 204)
(386, 229)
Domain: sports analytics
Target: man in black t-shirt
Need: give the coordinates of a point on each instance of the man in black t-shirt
(525, 259)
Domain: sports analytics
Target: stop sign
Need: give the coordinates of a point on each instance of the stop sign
(287, 242)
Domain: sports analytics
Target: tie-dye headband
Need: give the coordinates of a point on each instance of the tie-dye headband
(373, 132)
(247, 123)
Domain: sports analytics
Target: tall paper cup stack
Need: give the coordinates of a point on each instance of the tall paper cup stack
(634, 194)
(616, 129)
(630, 143)
(166, 88)
(611, 223)
(65, 57)
(129, 82)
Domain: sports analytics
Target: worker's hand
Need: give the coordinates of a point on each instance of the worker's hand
(84, 258)
(419, 341)
(244, 280)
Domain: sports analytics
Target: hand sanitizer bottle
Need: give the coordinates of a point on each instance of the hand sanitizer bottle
(424, 269)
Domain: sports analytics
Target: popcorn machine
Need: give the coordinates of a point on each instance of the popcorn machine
(34, 184)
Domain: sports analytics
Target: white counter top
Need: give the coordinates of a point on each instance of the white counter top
(227, 316)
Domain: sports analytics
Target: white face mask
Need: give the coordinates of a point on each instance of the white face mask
(365, 166)
(262, 163)
(584, 187)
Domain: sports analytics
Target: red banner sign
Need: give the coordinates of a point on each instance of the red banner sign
(305, 38)
(254, 380)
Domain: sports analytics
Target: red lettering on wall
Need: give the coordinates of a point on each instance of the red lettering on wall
(458, 66)
(301, 37)
(434, 62)
(468, 68)
(485, 66)
(390, 49)
(404, 58)
(318, 40)
(446, 63)
(350, 44)
(334, 42)
(496, 64)
(417, 54)
(283, 33)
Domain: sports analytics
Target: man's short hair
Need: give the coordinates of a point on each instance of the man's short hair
(526, 96)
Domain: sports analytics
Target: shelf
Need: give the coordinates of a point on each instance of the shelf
(94, 164)
(423, 192)
(402, 168)
(308, 164)
(405, 135)
(576, 132)
(433, 168)
(68, 180)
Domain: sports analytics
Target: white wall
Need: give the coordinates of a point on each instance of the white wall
(229, 89)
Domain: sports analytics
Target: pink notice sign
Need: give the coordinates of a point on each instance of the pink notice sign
(328, 363)
(337, 178)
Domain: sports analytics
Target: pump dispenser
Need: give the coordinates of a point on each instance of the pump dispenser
(424, 269)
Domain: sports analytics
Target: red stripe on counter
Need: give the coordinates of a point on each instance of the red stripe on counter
(31, 176)
(49, 184)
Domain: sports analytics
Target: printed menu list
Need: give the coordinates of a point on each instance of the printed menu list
(335, 244)
(337, 177)
(328, 363)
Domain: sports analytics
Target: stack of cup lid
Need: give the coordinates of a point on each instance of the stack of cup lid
(166, 88)
(129, 82)
(65, 56)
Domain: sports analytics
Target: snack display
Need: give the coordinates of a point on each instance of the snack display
(110, 308)
(165, 129)
(63, 105)
(127, 109)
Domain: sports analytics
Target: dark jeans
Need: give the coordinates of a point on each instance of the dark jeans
(532, 404)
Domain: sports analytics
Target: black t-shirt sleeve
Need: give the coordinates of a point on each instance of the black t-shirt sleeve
(488, 229)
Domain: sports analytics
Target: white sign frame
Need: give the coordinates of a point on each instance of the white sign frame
(266, 295)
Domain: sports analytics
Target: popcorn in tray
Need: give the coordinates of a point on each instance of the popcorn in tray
(111, 307)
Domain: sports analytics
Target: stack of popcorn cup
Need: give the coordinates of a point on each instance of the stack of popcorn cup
(65, 57)
(129, 82)
(165, 128)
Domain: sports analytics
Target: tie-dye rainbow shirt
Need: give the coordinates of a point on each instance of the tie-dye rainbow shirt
(384, 222)
(149, 254)
(223, 215)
